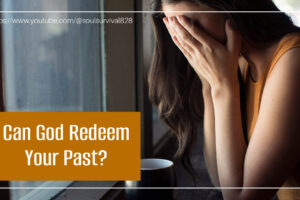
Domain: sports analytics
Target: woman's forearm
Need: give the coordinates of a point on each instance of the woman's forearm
(209, 147)
(230, 143)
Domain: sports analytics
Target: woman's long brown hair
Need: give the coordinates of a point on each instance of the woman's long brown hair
(175, 88)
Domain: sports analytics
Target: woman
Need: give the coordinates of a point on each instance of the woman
(249, 67)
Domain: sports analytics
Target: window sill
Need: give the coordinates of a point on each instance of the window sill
(86, 194)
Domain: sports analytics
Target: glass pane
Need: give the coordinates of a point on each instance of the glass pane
(50, 66)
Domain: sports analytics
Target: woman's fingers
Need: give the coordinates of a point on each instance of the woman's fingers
(185, 52)
(170, 25)
(197, 33)
(185, 49)
(175, 39)
(186, 38)
(166, 21)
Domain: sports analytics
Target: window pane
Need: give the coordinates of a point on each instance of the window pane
(39, 194)
(50, 66)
